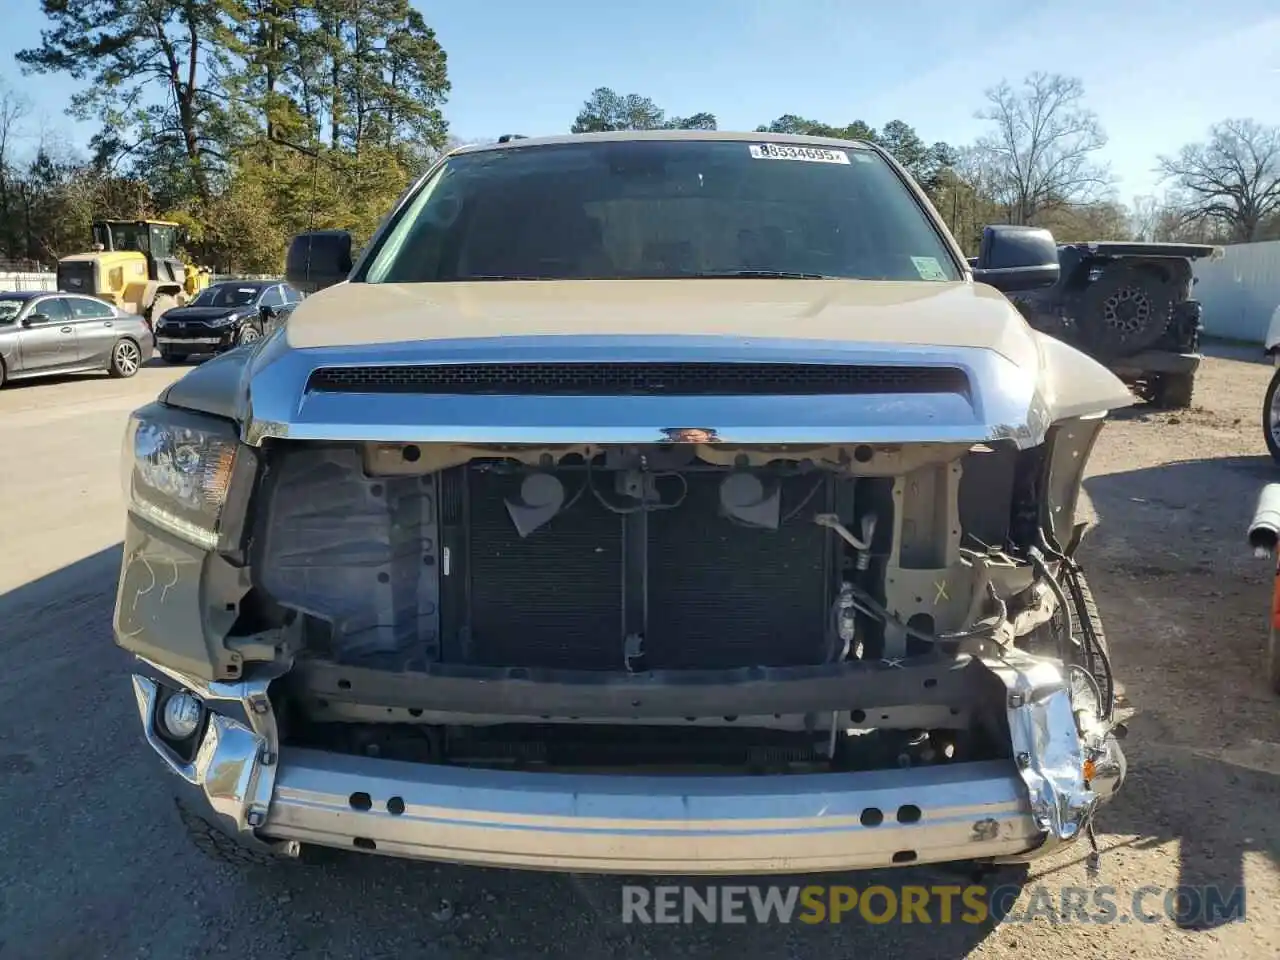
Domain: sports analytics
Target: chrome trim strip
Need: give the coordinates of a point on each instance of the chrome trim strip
(1003, 402)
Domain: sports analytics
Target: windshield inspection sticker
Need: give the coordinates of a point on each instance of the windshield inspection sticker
(929, 268)
(785, 151)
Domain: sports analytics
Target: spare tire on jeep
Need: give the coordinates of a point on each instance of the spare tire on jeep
(1125, 311)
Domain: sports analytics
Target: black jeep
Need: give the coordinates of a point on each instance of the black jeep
(1128, 305)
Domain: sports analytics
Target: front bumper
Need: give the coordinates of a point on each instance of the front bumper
(999, 810)
(202, 342)
(1156, 361)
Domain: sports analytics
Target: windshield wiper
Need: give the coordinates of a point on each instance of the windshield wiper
(504, 276)
(682, 275)
(757, 275)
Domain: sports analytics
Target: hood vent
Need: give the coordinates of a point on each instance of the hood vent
(639, 379)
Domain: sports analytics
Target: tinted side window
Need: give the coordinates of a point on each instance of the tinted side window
(55, 308)
(290, 295)
(271, 298)
(82, 308)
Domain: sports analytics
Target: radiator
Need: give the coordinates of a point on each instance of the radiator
(705, 592)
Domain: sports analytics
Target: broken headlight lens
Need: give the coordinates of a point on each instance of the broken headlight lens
(177, 471)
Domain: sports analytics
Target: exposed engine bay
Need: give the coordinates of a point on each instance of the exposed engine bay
(669, 605)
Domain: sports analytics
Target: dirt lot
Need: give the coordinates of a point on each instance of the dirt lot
(96, 866)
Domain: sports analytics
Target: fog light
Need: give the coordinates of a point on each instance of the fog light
(181, 716)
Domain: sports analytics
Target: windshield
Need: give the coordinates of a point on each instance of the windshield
(122, 236)
(663, 209)
(9, 309)
(226, 295)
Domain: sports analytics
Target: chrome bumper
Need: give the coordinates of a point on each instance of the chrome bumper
(1000, 810)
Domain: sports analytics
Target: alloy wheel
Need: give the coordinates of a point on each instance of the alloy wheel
(127, 358)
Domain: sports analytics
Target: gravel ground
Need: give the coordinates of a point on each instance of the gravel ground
(96, 866)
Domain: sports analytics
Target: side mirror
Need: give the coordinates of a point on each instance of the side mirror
(318, 259)
(1017, 258)
(35, 319)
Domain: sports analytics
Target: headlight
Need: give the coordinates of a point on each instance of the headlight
(177, 471)
(1086, 697)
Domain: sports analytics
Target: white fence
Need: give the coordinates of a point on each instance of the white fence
(28, 281)
(1240, 291)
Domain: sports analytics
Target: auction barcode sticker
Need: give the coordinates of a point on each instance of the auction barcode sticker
(785, 151)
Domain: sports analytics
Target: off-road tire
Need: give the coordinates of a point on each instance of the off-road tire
(126, 358)
(1273, 445)
(1172, 391)
(216, 845)
(1095, 618)
(1126, 311)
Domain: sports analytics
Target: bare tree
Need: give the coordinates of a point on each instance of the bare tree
(1042, 145)
(1233, 178)
(13, 110)
(1144, 217)
(964, 196)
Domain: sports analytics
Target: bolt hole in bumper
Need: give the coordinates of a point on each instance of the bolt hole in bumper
(1006, 810)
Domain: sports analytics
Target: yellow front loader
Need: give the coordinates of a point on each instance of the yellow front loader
(134, 265)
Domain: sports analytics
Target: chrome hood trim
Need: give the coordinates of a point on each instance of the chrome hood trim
(1006, 401)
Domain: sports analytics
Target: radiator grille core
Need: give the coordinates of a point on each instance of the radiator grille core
(718, 595)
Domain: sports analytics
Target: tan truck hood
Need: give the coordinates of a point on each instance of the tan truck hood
(872, 313)
(1020, 381)
(933, 314)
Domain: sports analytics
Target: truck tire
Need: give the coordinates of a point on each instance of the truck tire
(215, 844)
(1095, 618)
(1125, 311)
(1172, 391)
(1271, 416)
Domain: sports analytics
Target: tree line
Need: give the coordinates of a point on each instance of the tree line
(249, 120)
(244, 120)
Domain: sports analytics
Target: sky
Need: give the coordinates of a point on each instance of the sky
(1157, 72)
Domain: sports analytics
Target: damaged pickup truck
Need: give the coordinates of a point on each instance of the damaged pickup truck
(676, 502)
